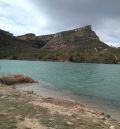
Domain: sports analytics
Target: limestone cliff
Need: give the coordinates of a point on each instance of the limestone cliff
(68, 38)
(31, 37)
(27, 37)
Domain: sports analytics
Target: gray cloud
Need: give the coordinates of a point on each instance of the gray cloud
(67, 14)
(51, 16)
(78, 11)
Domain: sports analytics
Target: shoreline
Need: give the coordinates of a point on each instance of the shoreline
(61, 61)
(40, 111)
(46, 92)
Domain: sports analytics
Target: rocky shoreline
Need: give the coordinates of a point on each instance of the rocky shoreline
(28, 110)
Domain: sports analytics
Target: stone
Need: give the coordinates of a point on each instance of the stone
(69, 123)
(108, 116)
(102, 113)
(102, 118)
(112, 127)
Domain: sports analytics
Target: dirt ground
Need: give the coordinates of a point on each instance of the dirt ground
(27, 110)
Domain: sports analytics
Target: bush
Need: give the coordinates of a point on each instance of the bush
(16, 79)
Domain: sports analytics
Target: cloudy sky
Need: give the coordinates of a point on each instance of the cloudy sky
(51, 16)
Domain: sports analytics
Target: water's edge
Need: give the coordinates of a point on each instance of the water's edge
(46, 92)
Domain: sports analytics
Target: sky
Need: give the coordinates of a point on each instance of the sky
(50, 16)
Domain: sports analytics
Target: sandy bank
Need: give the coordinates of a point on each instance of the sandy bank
(25, 109)
(93, 103)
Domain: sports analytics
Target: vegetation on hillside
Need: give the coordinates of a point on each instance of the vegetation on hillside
(78, 45)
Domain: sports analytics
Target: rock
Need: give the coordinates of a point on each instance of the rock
(69, 123)
(82, 110)
(30, 92)
(102, 113)
(108, 116)
(112, 127)
(91, 111)
(74, 115)
(103, 118)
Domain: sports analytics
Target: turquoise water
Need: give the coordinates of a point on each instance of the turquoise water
(98, 83)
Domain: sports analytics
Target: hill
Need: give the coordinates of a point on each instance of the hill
(77, 45)
(12, 47)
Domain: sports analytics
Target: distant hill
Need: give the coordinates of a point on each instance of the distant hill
(13, 47)
(77, 45)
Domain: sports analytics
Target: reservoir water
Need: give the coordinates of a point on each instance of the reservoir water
(93, 83)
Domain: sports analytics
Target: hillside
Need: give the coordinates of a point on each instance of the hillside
(77, 45)
(12, 47)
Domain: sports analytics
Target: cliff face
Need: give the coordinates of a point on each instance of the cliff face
(74, 35)
(45, 37)
(63, 39)
(78, 45)
(32, 37)
(27, 37)
(69, 38)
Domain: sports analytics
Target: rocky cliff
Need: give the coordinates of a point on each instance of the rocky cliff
(27, 37)
(67, 39)
(74, 35)
(63, 39)
(32, 37)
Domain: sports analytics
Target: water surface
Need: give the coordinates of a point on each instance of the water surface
(93, 83)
